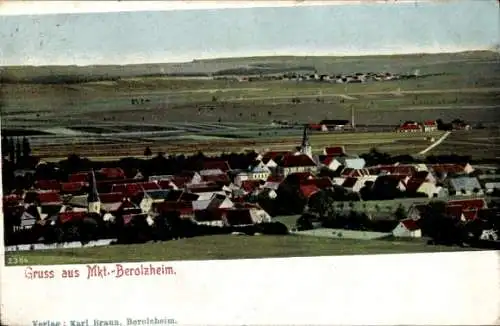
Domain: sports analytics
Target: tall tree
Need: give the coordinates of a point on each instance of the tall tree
(18, 151)
(26, 147)
(12, 152)
(5, 146)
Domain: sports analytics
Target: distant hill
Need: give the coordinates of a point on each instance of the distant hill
(241, 66)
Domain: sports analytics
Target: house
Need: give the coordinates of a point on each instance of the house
(206, 191)
(273, 182)
(347, 162)
(431, 190)
(349, 183)
(430, 125)
(239, 217)
(216, 202)
(321, 183)
(73, 188)
(188, 177)
(251, 186)
(158, 178)
(151, 197)
(355, 173)
(222, 179)
(334, 124)
(446, 169)
(131, 190)
(210, 217)
(407, 228)
(112, 173)
(491, 186)
(78, 177)
(269, 158)
(210, 164)
(410, 126)
(308, 190)
(464, 185)
(296, 163)
(53, 185)
(401, 169)
(466, 204)
(259, 171)
(184, 208)
(49, 198)
(360, 182)
(334, 151)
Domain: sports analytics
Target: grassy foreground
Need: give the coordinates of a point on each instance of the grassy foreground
(225, 247)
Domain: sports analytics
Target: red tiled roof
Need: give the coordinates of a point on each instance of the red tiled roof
(48, 185)
(328, 160)
(133, 189)
(308, 190)
(130, 217)
(470, 214)
(165, 184)
(394, 169)
(216, 164)
(447, 168)
(181, 181)
(71, 216)
(409, 127)
(70, 187)
(468, 203)
(430, 123)
(410, 224)
(237, 217)
(112, 173)
(413, 184)
(334, 151)
(347, 172)
(220, 178)
(51, 197)
(297, 161)
(454, 211)
(187, 196)
(277, 179)
(112, 197)
(349, 182)
(302, 176)
(204, 188)
(250, 185)
(183, 207)
(78, 177)
(11, 200)
(321, 183)
(275, 154)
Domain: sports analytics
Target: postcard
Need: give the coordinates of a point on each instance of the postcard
(250, 163)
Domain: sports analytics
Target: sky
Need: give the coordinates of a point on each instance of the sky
(183, 35)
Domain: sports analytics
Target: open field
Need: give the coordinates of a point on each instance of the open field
(226, 247)
(391, 142)
(186, 115)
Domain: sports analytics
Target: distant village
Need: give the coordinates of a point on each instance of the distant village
(73, 201)
(327, 78)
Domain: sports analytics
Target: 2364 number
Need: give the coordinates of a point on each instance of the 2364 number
(16, 260)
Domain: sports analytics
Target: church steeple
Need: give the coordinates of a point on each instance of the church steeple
(305, 147)
(305, 137)
(93, 201)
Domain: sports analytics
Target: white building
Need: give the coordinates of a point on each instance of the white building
(407, 228)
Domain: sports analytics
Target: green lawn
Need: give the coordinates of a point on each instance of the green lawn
(225, 247)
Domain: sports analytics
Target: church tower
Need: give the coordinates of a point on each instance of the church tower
(305, 147)
(93, 201)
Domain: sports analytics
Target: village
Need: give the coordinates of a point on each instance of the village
(337, 189)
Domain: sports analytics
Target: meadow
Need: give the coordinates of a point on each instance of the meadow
(225, 247)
